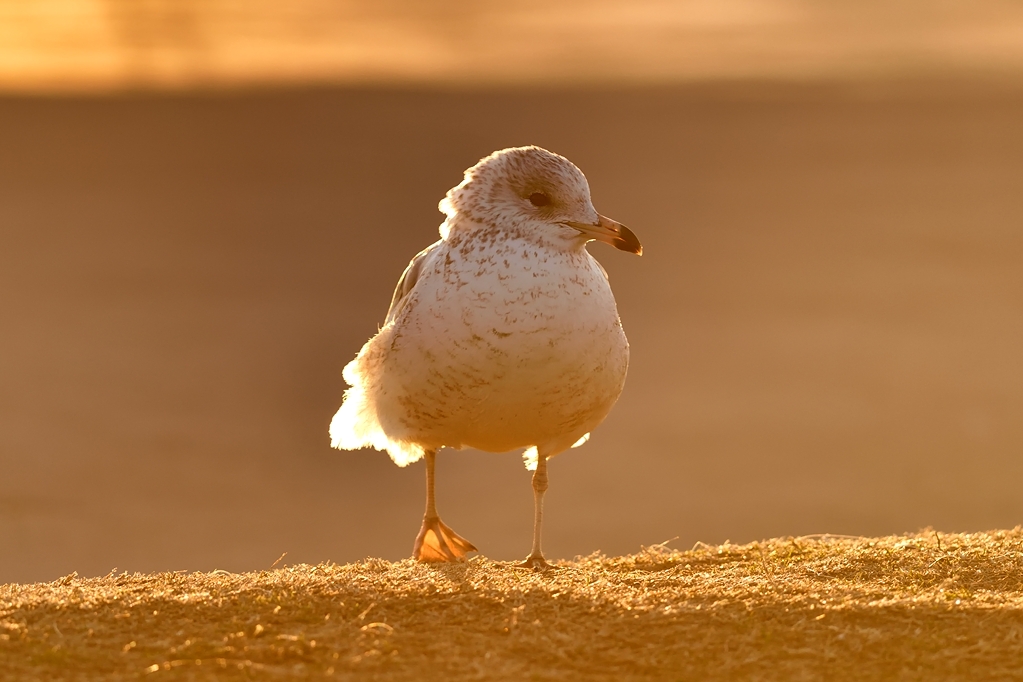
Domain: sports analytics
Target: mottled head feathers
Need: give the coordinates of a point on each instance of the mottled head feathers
(520, 185)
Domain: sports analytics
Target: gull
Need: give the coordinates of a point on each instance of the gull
(502, 335)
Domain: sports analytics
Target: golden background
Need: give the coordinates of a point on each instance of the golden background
(204, 207)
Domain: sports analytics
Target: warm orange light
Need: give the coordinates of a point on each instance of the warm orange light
(115, 44)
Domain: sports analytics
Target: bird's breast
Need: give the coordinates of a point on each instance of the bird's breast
(512, 346)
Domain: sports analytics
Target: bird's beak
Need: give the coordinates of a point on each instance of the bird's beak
(610, 232)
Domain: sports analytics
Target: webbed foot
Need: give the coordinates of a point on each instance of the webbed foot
(535, 562)
(437, 542)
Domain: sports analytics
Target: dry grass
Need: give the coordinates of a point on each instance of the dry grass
(925, 606)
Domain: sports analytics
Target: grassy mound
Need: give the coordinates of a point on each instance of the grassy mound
(926, 606)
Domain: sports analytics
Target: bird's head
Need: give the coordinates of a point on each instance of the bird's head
(537, 192)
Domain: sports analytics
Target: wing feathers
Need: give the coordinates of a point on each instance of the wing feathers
(407, 283)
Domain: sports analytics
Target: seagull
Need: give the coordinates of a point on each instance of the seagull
(502, 335)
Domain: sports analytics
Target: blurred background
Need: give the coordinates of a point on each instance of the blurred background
(204, 207)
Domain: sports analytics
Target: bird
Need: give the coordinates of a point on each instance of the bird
(502, 335)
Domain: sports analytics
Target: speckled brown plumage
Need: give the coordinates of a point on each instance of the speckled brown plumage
(502, 335)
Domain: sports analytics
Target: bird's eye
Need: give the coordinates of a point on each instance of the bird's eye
(539, 199)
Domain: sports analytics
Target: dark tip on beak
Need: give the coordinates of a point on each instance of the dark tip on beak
(627, 241)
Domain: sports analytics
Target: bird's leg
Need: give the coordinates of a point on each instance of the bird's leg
(535, 559)
(437, 542)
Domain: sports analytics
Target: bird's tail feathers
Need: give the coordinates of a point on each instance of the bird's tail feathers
(531, 455)
(357, 425)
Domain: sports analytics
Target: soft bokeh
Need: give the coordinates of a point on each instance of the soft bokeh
(111, 44)
(826, 323)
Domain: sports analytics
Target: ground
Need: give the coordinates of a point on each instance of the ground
(928, 606)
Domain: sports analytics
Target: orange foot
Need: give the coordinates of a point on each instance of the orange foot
(437, 542)
(535, 562)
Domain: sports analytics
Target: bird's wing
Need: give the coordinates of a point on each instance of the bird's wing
(408, 282)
